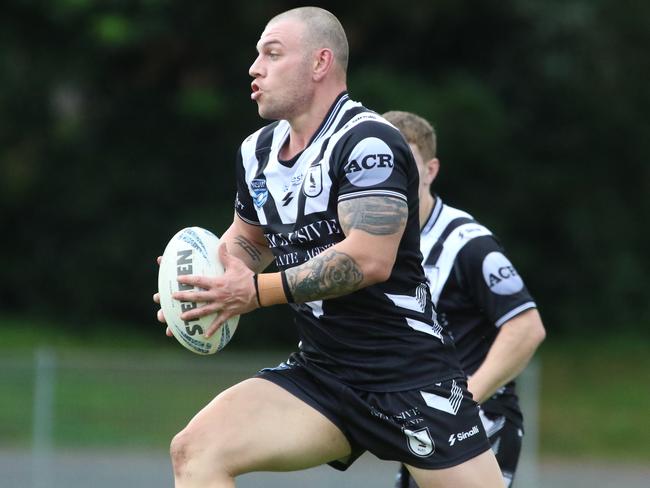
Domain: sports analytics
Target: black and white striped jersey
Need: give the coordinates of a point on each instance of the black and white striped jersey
(379, 338)
(474, 286)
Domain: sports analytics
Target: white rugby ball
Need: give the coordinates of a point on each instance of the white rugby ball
(192, 250)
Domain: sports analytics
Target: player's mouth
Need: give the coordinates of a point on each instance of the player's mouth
(256, 92)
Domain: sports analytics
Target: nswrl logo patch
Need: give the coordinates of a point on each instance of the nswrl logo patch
(259, 192)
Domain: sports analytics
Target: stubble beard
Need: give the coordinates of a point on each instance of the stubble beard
(293, 99)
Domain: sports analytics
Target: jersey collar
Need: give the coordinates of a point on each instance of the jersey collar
(331, 115)
(433, 217)
(322, 129)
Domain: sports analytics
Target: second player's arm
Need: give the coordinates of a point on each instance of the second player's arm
(509, 354)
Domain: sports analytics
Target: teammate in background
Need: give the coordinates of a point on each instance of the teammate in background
(329, 191)
(480, 297)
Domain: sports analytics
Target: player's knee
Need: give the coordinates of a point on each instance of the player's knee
(191, 455)
(180, 452)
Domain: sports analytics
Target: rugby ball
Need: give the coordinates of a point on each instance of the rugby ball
(192, 251)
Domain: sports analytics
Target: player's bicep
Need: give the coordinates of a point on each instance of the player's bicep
(377, 215)
(373, 227)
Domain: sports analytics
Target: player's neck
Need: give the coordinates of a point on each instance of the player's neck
(427, 201)
(305, 125)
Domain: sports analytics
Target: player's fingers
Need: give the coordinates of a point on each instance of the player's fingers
(158, 259)
(197, 296)
(156, 297)
(161, 317)
(196, 281)
(197, 313)
(216, 323)
(168, 332)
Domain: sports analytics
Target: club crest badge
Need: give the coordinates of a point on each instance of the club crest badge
(259, 192)
(420, 442)
(313, 184)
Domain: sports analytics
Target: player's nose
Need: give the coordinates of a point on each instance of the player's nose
(256, 68)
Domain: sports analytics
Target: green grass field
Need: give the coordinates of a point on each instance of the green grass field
(594, 398)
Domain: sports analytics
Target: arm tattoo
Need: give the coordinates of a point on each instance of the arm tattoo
(378, 216)
(330, 274)
(249, 248)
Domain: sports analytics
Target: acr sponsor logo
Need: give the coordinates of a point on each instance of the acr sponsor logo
(259, 192)
(500, 275)
(370, 162)
(461, 436)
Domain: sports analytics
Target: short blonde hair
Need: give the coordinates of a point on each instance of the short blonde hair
(415, 130)
(323, 30)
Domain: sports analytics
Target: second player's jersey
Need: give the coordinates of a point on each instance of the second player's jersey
(382, 337)
(474, 287)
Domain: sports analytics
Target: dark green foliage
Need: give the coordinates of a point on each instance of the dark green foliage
(119, 122)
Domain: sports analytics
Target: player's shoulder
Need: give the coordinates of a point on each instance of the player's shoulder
(480, 243)
(367, 140)
(364, 123)
(452, 213)
(476, 239)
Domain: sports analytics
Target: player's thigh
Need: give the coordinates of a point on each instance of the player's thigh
(258, 426)
(481, 471)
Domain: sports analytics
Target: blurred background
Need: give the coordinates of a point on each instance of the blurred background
(119, 124)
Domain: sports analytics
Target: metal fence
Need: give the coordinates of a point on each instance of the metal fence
(85, 413)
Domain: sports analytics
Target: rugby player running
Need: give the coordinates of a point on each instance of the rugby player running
(329, 191)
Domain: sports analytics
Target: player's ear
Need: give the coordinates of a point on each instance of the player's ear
(323, 61)
(432, 166)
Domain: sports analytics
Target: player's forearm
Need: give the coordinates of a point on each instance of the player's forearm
(330, 274)
(511, 351)
(255, 255)
(338, 271)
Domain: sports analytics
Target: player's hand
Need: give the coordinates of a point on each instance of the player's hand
(156, 299)
(230, 294)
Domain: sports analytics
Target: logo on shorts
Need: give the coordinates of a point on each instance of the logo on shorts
(449, 404)
(420, 442)
(461, 436)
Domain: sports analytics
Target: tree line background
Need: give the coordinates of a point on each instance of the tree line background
(120, 120)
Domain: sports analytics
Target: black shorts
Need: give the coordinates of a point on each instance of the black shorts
(505, 437)
(432, 427)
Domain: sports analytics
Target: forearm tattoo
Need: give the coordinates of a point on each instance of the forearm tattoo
(249, 248)
(378, 216)
(330, 274)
